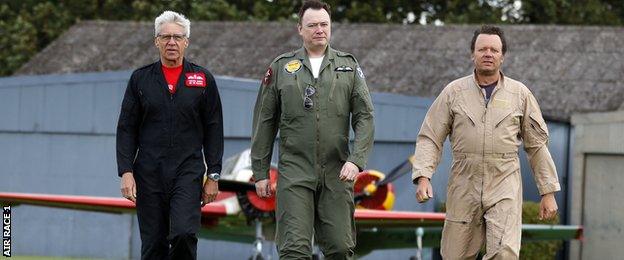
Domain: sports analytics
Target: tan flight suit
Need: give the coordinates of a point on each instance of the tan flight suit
(314, 145)
(484, 193)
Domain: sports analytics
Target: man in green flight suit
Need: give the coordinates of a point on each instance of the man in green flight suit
(311, 95)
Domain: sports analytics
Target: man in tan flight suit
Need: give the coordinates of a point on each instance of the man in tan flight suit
(487, 116)
(312, 95)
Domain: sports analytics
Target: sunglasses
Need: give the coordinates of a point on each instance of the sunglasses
(307, 101)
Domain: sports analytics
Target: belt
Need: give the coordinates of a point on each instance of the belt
(460, 155)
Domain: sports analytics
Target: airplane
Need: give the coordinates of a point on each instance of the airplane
(239, 215)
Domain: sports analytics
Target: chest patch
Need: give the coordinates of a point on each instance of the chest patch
(344, 69)
(500, 103)
(292, 66)
(196, 80)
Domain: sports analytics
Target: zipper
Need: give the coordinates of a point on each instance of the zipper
(171, 114)
(333, 85)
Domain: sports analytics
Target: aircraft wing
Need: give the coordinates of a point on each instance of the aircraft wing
(378, 229)
(221, 220)
(90, 203)
(369, 218)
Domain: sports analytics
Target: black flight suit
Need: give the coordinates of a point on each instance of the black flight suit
(160, 137)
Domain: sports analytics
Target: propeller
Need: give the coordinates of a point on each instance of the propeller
(372, 188)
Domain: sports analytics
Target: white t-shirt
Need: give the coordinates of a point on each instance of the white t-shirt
(316, 65)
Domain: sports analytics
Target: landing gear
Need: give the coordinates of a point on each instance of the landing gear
(257, 245)
(419, 235)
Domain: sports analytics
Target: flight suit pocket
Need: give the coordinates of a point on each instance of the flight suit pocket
(504, 117)
(460, 206)
(465, 114)
(291, 101)
(145, 102)
(339, 95)
(496, 233)
(538, 125)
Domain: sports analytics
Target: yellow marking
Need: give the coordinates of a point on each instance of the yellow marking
(292, 66)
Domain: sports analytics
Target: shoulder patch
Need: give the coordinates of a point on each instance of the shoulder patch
(360, 72)
(268, 75)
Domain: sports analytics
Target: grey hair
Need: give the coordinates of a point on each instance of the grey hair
(172, 17)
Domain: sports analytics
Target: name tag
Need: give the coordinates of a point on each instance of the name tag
(500, 103)
(197, 80)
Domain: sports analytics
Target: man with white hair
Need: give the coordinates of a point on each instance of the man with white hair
(169, 134)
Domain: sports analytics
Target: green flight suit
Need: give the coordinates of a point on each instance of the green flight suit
(314, 145)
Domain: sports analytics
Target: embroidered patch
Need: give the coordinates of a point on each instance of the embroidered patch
(197, 80)
(267, 77)
(292, 66)
(360, 72)
(344, 69)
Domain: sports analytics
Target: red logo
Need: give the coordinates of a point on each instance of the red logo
(197, 80)
(267, 77)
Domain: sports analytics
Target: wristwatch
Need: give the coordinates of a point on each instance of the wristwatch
(214, 176)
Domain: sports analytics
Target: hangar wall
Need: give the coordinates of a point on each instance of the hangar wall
(596, 183)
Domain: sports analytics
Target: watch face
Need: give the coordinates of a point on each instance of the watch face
(214, 176)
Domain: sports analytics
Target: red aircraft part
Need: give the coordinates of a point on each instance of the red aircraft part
(265, 204)
(377, 197)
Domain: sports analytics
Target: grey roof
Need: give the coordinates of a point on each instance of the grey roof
(568, 68)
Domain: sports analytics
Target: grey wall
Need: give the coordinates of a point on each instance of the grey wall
(596, 184)
(57, 135)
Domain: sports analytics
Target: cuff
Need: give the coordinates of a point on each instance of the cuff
(122, 171)
(360, 163)
(549, 188)
(260, 174)
(420, 173)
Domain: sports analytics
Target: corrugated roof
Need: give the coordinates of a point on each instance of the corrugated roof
(568, 68)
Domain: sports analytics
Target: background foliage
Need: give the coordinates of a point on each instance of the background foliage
(27, 26)
(544, 250)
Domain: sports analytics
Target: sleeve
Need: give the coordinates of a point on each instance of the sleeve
(212, 118)
(128, 128)
(435, 128)
(535, 136)
(265, 123)
(362, 120)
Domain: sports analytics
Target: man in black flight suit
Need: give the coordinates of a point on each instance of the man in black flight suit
(170, 133)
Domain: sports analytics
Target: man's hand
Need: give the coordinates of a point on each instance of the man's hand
(128, 187)
(210, 191)
(349, 172)
(264, 189)
(424, 191)
(548, 207)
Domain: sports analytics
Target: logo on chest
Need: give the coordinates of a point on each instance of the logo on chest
(292, 66)
(195, 80)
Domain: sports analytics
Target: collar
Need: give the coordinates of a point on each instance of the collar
(500, 84)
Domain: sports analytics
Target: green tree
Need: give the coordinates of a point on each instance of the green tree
(462, 12)
(18, 42)
(585, 12)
